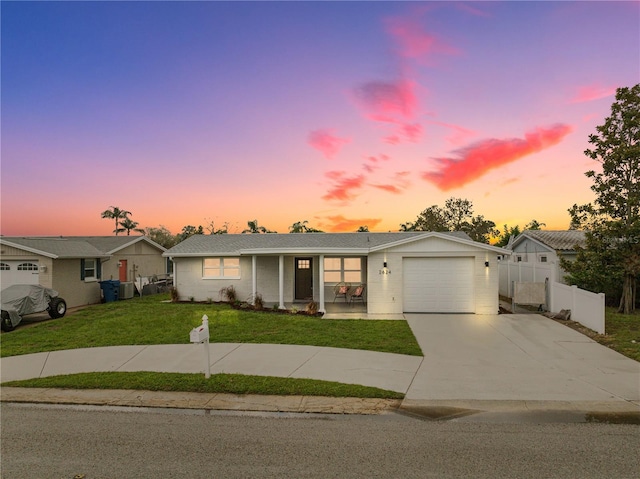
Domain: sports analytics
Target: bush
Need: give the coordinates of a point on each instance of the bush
(229, 293)
(174, 294)
(258, 302)
(312, 307)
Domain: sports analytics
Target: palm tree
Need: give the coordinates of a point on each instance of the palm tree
(128, 224)
(254, 228)
(116, 214)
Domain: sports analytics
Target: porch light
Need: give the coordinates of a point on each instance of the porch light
(384, 269)
(486, 263)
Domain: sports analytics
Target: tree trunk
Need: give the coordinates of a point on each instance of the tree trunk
(627, 300)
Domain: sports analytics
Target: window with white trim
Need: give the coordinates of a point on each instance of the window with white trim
(221, 268)
(4, 267)
(89, 270)
(543, 259)
(27, 267)
(337, 270)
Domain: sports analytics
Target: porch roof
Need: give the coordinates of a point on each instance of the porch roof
(305, 243)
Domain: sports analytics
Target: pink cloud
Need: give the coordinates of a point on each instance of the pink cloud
(344, 187)
(474, 161)
(341, 224)
(413, 41)
(326, 142)
(465, 7)
(592, 92)
(372, 162)
(401, 183)
(388, 101)
(459, 134)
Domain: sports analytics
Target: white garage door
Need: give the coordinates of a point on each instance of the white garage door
(18, 272)
(438, 285)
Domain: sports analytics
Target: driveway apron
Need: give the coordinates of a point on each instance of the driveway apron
(516, 357)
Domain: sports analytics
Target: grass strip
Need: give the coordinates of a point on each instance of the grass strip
(149, 320)
(217, 383)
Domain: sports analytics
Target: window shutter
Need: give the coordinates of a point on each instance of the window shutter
(82, 269)
(98, 268)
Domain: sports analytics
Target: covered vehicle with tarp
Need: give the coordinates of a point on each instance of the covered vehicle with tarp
(22, 299)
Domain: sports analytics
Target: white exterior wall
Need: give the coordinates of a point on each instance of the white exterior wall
(190, 282)
(385, 291)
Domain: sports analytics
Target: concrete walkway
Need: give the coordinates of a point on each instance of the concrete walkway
(487, 363)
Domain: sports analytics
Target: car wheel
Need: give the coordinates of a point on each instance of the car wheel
(5, 322)
(57, 308)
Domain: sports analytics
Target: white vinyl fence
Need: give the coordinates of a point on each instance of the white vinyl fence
(586, 307)
(512, 272)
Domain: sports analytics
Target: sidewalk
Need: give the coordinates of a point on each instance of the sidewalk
(471, 365)
(383, 370)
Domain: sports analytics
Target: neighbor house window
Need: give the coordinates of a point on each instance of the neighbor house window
(543, 259)
(4, 267)
(221, 268)
(337, 270)
(27, 267)
(88, 269)
(519, 259)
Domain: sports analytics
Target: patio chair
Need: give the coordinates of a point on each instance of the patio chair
(357, 294)
(342, 290)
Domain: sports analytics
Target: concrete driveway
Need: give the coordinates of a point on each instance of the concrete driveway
(516, 357)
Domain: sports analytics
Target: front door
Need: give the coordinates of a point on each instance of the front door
(304, 279)
(122, 270)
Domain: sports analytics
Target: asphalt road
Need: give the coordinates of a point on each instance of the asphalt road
(63, 442)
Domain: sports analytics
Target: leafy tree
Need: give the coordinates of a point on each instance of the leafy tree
(301, 227)
(253, 227)
(363, 229)
(217, 231)
(534, 225)
(188, 231)
(513, 231)
(431, 219)
(612, 251)
(507, 233)
(162, 236)
(128, 224)
(457, 215)
(116, 214)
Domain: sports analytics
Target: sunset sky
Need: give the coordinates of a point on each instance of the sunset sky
(339, 113)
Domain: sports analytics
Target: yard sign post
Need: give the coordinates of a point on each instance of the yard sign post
(201, 335)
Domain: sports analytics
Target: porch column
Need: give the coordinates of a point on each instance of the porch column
(321, 282)
(281, 281)
(254, 277)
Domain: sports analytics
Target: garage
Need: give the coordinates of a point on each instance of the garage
(438, 285)
(19, 272)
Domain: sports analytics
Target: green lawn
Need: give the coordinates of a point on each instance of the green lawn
(623, 333)
(152, 320)
(217, 383)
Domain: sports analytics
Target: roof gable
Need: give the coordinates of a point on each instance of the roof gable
(55, 247)
(75, 246)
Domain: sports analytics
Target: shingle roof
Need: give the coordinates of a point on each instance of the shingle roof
(563, 240)
(75, 246)
(236, 244)
(56, 247)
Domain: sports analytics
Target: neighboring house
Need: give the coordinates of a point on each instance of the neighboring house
(403, 271)
(73, 265)
(545, 247)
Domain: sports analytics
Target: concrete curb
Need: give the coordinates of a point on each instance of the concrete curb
(205, 401)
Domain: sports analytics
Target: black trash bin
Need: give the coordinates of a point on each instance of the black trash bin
(110, 290)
